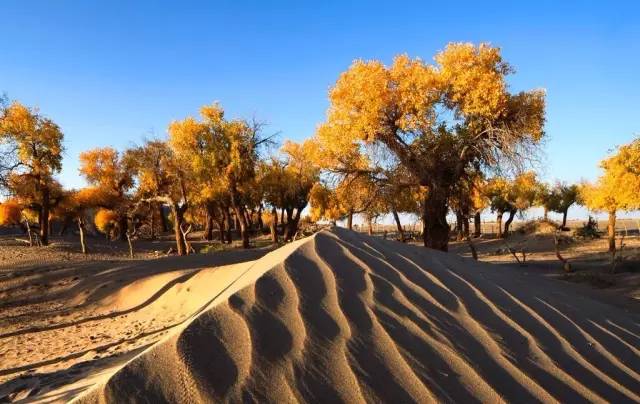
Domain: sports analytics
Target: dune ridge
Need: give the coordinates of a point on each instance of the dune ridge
(342, 317)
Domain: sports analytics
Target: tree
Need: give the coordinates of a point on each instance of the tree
(112, 172)
(324, 204)
(510, 197)
(162, 178)
(223, 151)
(37, 142)
(560, 198)
(617, 189)
(301, 175)
(75, 205)
(435, 120)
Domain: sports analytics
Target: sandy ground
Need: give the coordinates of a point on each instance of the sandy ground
(342, 317)
(69, 319)
(589, 259)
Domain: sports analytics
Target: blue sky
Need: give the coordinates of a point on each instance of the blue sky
(111, 73)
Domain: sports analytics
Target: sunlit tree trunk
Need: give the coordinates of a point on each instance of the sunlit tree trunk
(369, 225)
(178, 219)
(499, 223)
(436, 229)
(83, 244)
(350, 220)
(611, 231)
(273, 226)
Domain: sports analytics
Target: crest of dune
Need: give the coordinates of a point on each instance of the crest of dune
(342, 317)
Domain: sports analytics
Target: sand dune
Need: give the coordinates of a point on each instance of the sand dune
(341, 317)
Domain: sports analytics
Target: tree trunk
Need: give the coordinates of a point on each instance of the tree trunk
(369, 225)
(477, 225)
(163, 219)
(546, 214)
(436, 229)
(242, 219)
(564, 219)
(350, 220)
(499, 223)
(227, 219)
(459, 230)
(512, 214)
(292, 225)
(465, 226)
(396, 217)
(124, 226)
(611, 231)
(287, 229)
(208, 226)
(178, 218)
(130, 242)
(44, 216)
(259, 219)
(83, 244)
(65, 226)
(273, 226)
(220, 225)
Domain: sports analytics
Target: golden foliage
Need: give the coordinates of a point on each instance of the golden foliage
(619, 186)
(10, 213)
(105, 220)
(518, 194)
(38, 139)
(104, 167)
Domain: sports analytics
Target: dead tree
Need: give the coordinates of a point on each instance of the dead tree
(185, 232)
(566, 266)
(83, 244)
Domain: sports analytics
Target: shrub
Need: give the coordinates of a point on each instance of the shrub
(10, 213)
(105, 220)
(540, 226)
(588, 229)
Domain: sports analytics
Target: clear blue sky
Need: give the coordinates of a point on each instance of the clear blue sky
(111, 73)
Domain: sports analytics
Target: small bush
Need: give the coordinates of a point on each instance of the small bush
(588, 229)
(540, 226)
(105, 220)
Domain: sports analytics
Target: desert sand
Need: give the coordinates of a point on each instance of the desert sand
(342, 317)
(67, 321)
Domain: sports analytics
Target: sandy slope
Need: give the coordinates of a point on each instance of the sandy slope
(66, 325)
(345, 317)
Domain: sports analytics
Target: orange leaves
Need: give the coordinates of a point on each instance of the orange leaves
(105, 220)
(106, 168)
(38, 139)
(473, 79)
(10, 213)
(619, 186)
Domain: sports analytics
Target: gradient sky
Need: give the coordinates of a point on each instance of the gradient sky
(111, 73)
